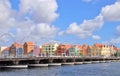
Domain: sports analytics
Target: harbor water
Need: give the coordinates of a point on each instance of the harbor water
(100, 69)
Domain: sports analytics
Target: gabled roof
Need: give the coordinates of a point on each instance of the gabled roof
(7, 49)
(80, 46)
(66, 46)
(115, 48)
(16, 44)
(29, 43)
(99, 45)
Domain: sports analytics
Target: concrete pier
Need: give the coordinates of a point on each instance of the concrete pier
(68, 63)
(15, 66)
(38, 65)
(78, 63)
(94, 62)
(54, 64)
(87, 62)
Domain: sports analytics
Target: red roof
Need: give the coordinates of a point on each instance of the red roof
(66, 46)
(29, 43)
(7, 49)
(80, 46)
(99, 45)
(17, 44)
(115, 48)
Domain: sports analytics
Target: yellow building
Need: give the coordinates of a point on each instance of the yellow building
(49, 49)
(106, 51)
(96, 49)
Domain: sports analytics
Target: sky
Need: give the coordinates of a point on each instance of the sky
(62, 21)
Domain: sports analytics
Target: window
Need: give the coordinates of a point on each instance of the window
(52, 48)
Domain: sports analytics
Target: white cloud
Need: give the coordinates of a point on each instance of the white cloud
(36, 14)
(44, 30)
(5, 12)
(33, 16)
(42, 11)
(88, 27)
(85, 29)
(111, 12)
(96, 37)
(35, 33)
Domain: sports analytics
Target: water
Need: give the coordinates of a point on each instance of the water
(102, 69)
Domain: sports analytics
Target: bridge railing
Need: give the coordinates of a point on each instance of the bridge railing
(54, 56)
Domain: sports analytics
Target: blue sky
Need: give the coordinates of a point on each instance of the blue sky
(77, 11)
(62, 15)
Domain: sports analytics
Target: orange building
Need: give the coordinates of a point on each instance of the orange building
(28, 47)
(85, 50)
(14, 47)
(62, 50)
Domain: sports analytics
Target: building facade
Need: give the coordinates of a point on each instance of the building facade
(14, 49)
(2, 48)
(74, 51)
(36, 51)
(86, 51)
(105, 52)
(49, 49)
(28, 48)
(62, 50)
(96, 49)
(6, 52)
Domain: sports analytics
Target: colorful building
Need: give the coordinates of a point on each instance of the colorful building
(41, 52)
(86, 51)
(14, 49)
(19, 52)
(49, 49)
(74, 51)
(118, 52)
(2, 48)
(28, 48)
(62, 50)
(105, 52)
(80, 50)
(36, 51)
(96, 49)
(113, 50)
(6, 52)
